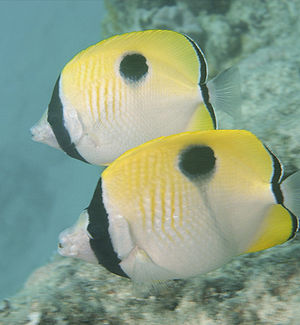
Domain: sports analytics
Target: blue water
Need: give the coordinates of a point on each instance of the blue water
(42, 190)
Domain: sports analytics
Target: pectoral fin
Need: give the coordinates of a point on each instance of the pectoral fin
(140, 268)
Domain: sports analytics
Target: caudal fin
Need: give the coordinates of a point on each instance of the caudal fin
(290, 188)
(225, 92)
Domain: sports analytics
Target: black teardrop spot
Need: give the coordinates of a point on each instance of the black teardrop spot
(133, 67)
(197, 161)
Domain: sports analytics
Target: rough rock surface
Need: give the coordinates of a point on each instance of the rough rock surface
(260, 37)
(262, 288)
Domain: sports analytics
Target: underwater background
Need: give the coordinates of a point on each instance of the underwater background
(43, 191)
(37, 39)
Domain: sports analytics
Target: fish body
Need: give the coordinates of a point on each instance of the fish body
(129, 89)
(186, 204)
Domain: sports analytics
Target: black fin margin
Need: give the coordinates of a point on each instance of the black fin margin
(276, 177)
(295, 218)
(203, 79)
(295, 224)
(98, 229)
(56, 121)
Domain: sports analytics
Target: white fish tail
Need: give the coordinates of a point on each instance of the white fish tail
(290, 188)
(225, 92)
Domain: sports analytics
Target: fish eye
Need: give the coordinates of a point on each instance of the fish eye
(60, 245)
(196, 161)
(133, 67)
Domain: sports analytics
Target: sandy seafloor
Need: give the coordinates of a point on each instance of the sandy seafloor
(43, 191)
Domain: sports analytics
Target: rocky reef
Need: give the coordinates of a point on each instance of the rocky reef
(260, 37)
(261, 288)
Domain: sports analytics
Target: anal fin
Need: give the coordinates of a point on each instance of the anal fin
(201, 120)
(278, 226)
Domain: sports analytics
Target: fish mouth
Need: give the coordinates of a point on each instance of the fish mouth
(42, 132)
(37, 132)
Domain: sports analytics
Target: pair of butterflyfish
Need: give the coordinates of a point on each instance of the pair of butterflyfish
(170, 204)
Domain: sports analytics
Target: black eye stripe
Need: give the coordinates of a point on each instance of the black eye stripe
(196, 160)
(98, 229)
(57, 123)
(133, 67)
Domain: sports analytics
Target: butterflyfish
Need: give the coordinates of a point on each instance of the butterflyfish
(184, 205)
(129, 89)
